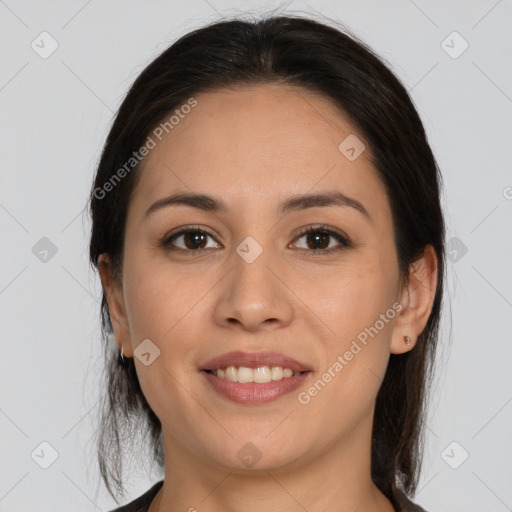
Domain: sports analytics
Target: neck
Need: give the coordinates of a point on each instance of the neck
(339, 479)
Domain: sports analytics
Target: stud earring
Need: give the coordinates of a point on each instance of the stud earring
(407, 340)
(123, 361)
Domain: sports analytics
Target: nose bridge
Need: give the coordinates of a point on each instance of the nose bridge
(253, 295)
(251, 276)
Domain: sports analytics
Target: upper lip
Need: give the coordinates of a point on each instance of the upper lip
(253, 360)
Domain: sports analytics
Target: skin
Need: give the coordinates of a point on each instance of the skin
(253, 147)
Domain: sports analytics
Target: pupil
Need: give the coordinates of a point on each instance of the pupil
(195, 237)
(319, 236)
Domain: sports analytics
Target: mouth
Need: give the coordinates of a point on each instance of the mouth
(254, 378)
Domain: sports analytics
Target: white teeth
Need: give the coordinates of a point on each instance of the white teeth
(277, 373)
(261, 375)
(231, 374)
(245, 374)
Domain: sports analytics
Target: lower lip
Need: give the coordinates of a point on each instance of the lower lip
(255, 393)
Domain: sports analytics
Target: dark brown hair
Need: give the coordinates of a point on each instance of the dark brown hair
(324, 59)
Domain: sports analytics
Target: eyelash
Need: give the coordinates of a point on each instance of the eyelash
(344, 241)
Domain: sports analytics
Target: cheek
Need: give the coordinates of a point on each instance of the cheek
(158, 296)
(349, 299)
(358, 307)
(164, 306)
(358, 313)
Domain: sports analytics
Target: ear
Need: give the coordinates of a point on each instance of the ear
(417, 298)
(116, 307)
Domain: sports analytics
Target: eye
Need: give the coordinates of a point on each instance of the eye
(194, 240)
(317, 240)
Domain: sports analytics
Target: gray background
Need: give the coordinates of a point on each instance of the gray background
(55, 113)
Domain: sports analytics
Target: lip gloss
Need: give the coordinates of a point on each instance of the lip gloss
(252, 393)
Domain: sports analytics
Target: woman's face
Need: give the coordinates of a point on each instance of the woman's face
(260, 285)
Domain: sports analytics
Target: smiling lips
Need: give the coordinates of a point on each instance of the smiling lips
(254, 378)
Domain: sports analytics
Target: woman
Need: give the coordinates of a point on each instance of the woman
(269, 236)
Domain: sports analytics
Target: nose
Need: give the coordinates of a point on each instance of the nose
(252, 296)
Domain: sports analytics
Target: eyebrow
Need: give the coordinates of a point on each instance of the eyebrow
(294, 203)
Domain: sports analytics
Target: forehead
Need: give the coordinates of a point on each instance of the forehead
(257, 143)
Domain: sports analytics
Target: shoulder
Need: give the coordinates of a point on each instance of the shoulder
(142, 503)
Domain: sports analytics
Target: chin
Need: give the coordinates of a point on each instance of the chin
(249, 457)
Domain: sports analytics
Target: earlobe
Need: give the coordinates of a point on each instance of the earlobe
(417, 298)
(406, 344)
(114, 295)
